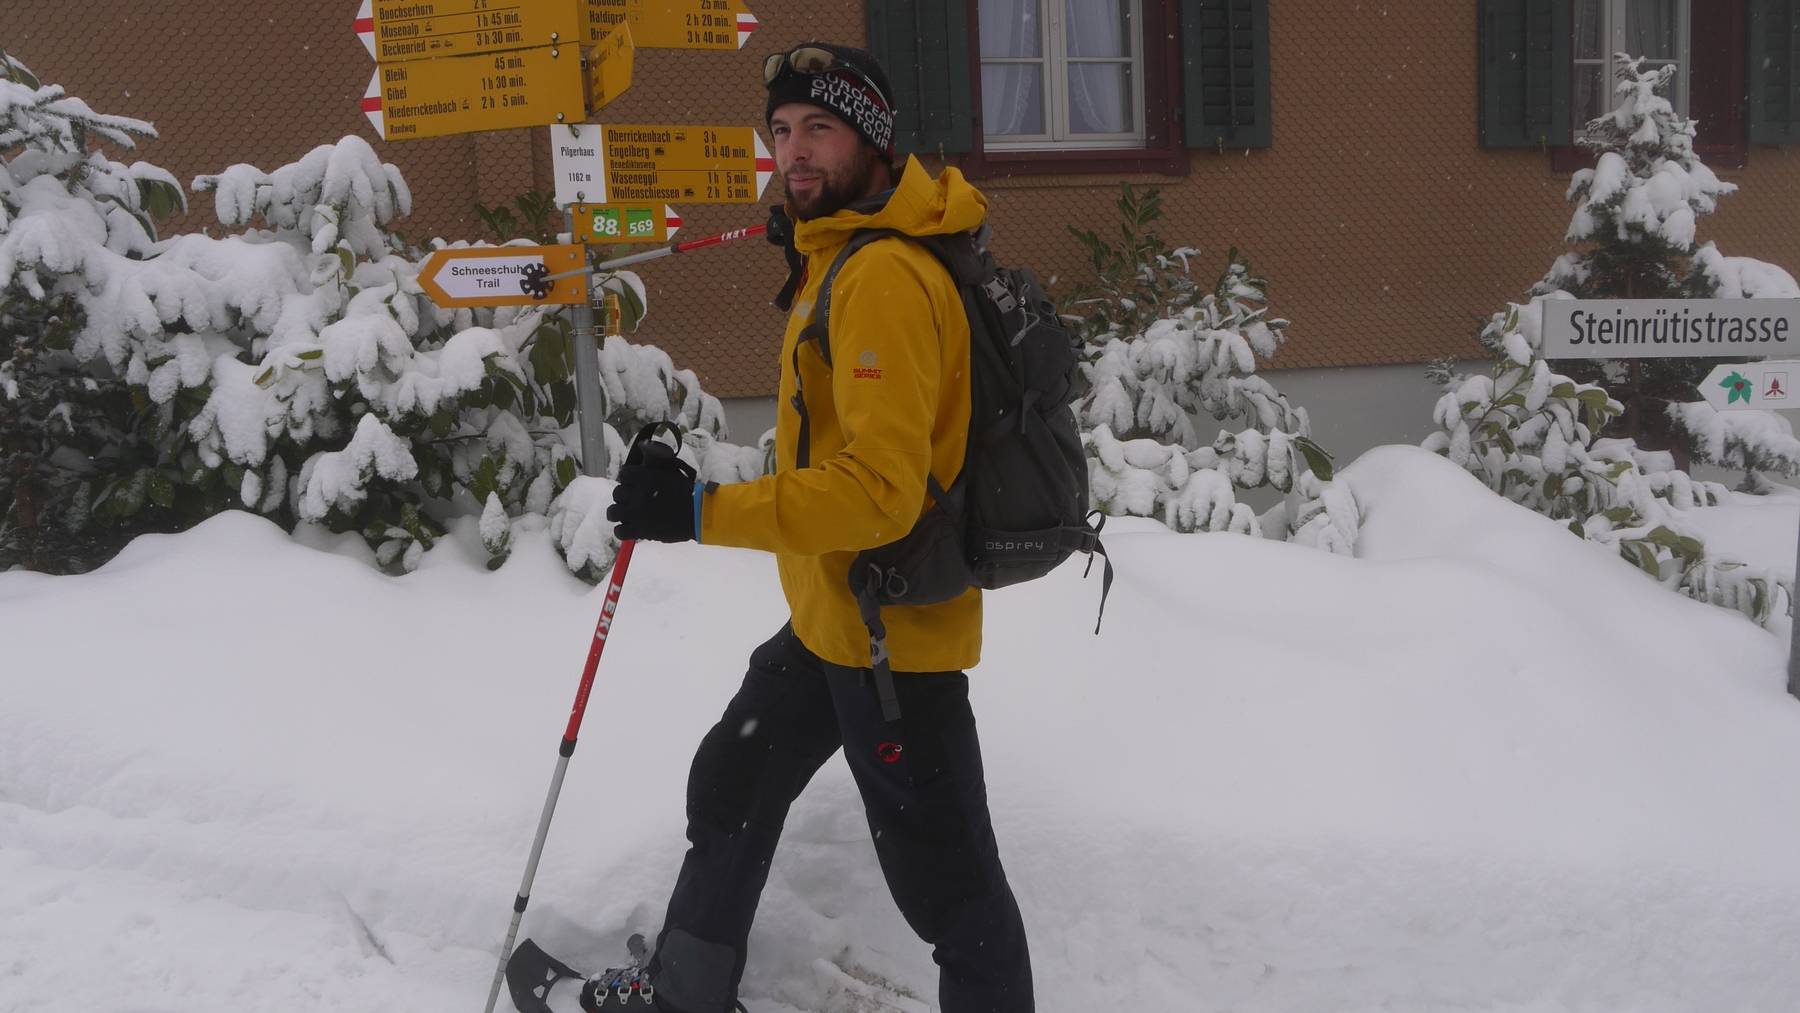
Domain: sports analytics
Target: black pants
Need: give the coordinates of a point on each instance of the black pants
(922, 789)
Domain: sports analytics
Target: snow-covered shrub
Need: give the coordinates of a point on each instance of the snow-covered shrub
(294, 367)
(82, 462)
(1162, 349)
(1533, 433)
(445, 411)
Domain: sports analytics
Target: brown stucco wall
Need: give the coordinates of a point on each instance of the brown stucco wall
(1387, 233)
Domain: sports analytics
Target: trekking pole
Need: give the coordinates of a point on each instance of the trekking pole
(662, 251)
(621, 563)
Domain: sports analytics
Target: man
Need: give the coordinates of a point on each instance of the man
(856, 443)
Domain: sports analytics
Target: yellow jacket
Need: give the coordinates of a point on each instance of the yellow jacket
(895, 405)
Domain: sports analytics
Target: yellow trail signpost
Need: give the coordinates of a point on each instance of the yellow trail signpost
(610, 66)
(623, 223)
(402, 30)
(489, 91)
(674, 24)
(505, 276)
(691, 164)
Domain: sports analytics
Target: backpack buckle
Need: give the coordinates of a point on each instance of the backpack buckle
(1002, 296)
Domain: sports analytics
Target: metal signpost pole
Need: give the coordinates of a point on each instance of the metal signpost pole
(1794, 632)
(590, 395)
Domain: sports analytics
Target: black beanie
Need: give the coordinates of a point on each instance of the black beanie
(842, 93)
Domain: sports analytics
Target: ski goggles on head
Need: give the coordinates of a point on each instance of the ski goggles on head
(813, 60)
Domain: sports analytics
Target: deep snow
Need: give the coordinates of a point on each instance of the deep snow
(1482, 766)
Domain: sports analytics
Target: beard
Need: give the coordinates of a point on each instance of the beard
(839, 188)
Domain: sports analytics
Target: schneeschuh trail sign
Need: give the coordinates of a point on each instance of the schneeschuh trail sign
(506, 276)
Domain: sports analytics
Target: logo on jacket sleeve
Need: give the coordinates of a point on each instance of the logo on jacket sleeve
(866, 368)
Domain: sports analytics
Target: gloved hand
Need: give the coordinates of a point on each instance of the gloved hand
(654, 499)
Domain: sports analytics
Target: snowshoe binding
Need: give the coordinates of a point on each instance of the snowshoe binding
(531, 974)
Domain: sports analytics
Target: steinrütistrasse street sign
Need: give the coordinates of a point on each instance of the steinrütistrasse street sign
(637, 163)
(1669, 328)
(674, 24)
(505, 276)
(466, 94)
(395, 31)
(1743, 386)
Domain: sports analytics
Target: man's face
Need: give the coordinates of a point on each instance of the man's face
(824, 163)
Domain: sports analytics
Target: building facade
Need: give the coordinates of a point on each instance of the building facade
(1395, 168)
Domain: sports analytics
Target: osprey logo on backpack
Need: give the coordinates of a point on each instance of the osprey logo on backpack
(1020, 505)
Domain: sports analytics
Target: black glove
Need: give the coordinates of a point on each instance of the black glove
(654, 499)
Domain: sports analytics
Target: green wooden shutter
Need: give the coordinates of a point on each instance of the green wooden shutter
(1774, 71)
(1225, 73)
(1526, 61)
(924, 47)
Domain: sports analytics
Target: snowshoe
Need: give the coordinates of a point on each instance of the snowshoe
(531, 974)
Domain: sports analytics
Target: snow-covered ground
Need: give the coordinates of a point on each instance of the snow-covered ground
(1483, 766)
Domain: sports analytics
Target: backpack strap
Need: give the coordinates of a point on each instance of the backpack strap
(819, 328)
(870, 609)
(1088, 540)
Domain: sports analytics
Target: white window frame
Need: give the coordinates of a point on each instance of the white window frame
(1612, 30)
(1055, 60)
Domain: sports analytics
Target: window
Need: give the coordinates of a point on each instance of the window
(1654, 29)
(1546, 69)
(1026, 87)
(1064, 74)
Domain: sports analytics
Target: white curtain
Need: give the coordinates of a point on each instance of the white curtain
(1593, 55)
(1012, 94)
(1098, 92)
(1650, 29)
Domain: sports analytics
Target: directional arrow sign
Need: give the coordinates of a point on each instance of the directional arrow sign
(467, 94)
(505, 276)
(398, 30)
(609, 68)
(674, 24)
(623, 223)
(1752, 385)
(691, 164)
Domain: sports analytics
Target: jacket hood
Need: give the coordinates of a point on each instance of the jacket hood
(920, 206)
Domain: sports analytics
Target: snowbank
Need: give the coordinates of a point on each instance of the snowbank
(1482, 766)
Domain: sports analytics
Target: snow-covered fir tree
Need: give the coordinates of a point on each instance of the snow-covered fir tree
(1533, 433)
(1635, 230)
(1162, 349)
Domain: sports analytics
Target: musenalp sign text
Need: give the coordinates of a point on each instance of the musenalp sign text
(1670, 328)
